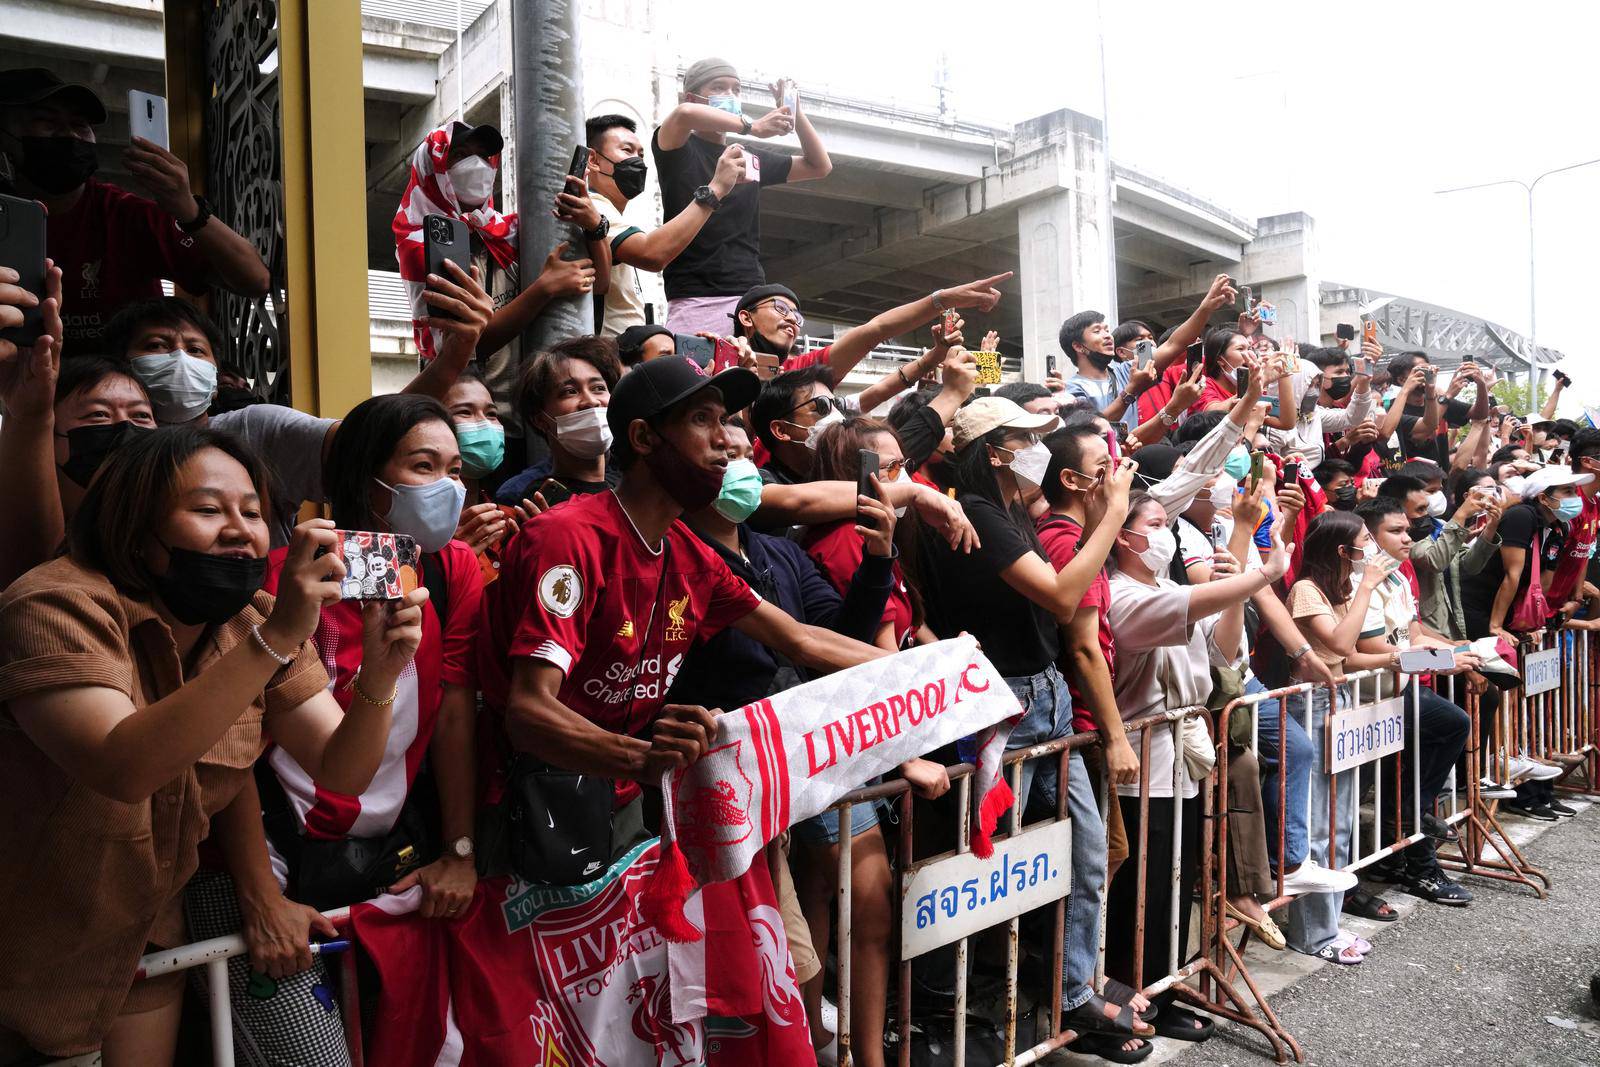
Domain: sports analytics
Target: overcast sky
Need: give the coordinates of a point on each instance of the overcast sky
(1352, 112)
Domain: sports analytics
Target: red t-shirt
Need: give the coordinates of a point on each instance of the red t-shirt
(1060, 536)
(1575, 553)
(1153, 399)
(580, 589)
(837, 549)
(1212, 391)
(445, 657)
(114, 248)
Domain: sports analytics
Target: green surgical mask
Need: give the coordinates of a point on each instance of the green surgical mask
(741, 491)
(1237, 465)
(483, 446)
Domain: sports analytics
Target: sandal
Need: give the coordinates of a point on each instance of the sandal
(1110, 1048)
(1180, 1024)
(1332, 953)
(1119, 993)
(1090, 1018)
(1265, 928)
(1365, 905)
(1353, 941)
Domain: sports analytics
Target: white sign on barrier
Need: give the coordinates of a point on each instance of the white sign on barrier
(1541, 672)
(1369, 732)
(956, 897)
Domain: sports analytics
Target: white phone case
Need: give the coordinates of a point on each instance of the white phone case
(147, 117)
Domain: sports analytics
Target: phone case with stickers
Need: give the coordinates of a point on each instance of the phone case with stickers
(377, 566)
(988, 367)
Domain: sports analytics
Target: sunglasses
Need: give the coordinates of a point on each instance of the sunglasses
(822, 405)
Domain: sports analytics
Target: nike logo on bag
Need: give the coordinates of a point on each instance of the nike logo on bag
(552, 817)
(575, 851)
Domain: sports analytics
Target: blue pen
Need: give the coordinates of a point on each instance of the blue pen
(322, 948)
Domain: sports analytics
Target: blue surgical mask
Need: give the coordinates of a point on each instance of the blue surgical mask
(180, 385)
(483, 446)
(741, 491)
(1568, 509)
(426, 513)
(728, 103)
(1237, 465)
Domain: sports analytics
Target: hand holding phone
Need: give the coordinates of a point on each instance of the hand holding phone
(1369, 331)
(147, 118)
(699, 350)
(1050, 364)
(1359, 368)
(22, 248)
(752, 168)
(866, 469)
(377, 566)
(1144, 353)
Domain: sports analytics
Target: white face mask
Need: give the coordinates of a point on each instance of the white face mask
(585, 432)
(1222, 494)
(1029, 464)
(1163, 545)
(903, 476)
(473, 180)
(1437, 505)
(1358, 566)
(180, 385)
(814, 431)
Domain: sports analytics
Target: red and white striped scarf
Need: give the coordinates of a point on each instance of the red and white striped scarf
(429, 192)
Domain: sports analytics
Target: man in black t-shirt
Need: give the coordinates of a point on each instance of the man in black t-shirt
(1538, 525)
(1423, 433)
(723, 261)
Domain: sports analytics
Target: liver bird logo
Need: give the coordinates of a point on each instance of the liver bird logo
(675, 610)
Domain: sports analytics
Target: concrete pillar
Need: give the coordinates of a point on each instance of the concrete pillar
(1064, 236)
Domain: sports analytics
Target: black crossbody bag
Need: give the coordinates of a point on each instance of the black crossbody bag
(560, 822)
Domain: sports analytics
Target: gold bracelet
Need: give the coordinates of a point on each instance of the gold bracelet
(355, 683)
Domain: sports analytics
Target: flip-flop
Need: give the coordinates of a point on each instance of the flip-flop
(1110, 1048)
(1178, 1024)
(1364, 905)
(1121, 993)
(1265, 928)
(1332, 953)
(1355, 941)
(1090, 1018)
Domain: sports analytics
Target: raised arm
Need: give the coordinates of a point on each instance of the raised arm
(809, 646)
(856, 342)
(813, 162)
(33, 527)
(233, 260)
(1220, 295)
(471, 309)
(654, 250)
(1060, 592)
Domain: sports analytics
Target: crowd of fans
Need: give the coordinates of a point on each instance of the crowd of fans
(212, 725)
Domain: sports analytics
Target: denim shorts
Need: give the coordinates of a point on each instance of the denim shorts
(823, 829)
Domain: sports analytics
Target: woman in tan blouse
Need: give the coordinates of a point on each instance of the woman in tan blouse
(139, 675)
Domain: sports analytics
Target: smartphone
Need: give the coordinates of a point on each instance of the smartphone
(867, 466)
(553, 492)
(1369, 331)
(950, 317)
(1561, 377)
(377, 566)
(1345, 332)
(147, 117)
(698, 349)
(791, 97)
(1114, 447)
(445, 238)
(1050, 364)
(988, 367)
(1358, 366)
(1291, 472)
(1267, 314)
(580, 162)
(752, 167)
(1422, 660)
(1143, 352)
(1193, 356)
(1469, 358)
(1257, 466)
(768, 366)
(1241, 381)
(22, 248)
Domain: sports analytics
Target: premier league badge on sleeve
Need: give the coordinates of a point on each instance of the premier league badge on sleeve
(561, 590)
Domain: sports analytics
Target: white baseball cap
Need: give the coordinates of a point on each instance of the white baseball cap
(991, 413)
(1547, 478)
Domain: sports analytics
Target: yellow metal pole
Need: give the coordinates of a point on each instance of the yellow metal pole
(324, 203)
(188, 88)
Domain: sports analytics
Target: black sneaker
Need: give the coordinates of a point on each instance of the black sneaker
(1561, 809)
(1387, 871)
(1436, 887)
(1527, 811)
(1437, 828)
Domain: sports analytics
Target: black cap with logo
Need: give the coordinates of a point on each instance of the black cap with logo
(652, 388)
(33, 85)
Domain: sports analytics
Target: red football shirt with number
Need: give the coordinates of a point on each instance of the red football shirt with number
(114, 248)
(580, 589)
(1575, 553)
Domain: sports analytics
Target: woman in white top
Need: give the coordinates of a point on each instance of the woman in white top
(1168, 638)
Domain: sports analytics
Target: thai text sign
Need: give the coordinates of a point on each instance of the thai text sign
(956, 897)
(1541, 672)
(1366, 733)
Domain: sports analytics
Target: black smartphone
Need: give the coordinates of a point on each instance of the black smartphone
(445, 238)
(1241, 381)
(1345, 332)
(698, 349)
(580, 162)
(1469, 358)
(1291, 472)
(1193, 356)
(867, 466)
(22, 248)
(553, 491)
(1561, 377)
(1050, 364)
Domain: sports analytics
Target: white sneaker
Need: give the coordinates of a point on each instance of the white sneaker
(828, 1055)
(1522, 767)
(1315, 878)
(1490, 789)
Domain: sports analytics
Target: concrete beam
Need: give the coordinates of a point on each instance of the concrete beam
(1183, 234)
(74, 27)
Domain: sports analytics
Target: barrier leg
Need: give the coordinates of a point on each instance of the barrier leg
(221, 1013)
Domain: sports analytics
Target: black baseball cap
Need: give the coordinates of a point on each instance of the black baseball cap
(764, 292)
(631, 340)
(32, 85)
(652, 388)
(484, 140)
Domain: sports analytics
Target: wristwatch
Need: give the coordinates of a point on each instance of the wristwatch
(461, 848)
(1169, 421)
(745, 130)
(706, 197)
(196, 224)
(599, 232)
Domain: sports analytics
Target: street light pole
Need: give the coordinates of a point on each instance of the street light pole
(1527, 188)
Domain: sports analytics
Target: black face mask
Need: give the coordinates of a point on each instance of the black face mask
(88, 447)
(1422, 530)
(759, 343)
(201, 588)
(1101, 361)
(694, 487)
(56, 165)
(1338, 388)
(629, 174)
(1344, 498)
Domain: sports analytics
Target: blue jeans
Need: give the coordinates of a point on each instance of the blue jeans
(1048, 716)
(1297, 774)
(1314, 917)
